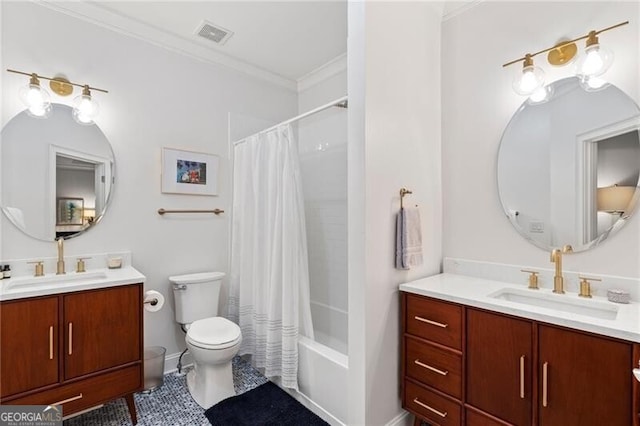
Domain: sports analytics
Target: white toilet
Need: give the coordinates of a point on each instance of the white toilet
(212, 341)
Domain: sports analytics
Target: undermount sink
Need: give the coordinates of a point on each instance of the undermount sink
(558, 302)
(53, 279)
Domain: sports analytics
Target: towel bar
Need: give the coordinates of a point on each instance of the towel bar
(214, 211)
(403, 192)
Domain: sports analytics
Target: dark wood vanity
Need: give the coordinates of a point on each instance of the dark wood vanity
(78, 350)
(463, 365)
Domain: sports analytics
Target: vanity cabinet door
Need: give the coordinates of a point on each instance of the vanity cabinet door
(102, 329)
(499, 359)
(587, 380)
(28, 337)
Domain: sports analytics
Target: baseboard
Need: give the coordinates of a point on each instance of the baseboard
(403, 419)
(310, 405)
(171, 362)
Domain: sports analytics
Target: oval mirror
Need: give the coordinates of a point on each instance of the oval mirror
(57, 175)
(568, 168)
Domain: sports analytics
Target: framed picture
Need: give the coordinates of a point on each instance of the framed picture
(70, 211)
(188, 172)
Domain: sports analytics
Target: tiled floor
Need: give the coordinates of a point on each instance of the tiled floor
(171, 405)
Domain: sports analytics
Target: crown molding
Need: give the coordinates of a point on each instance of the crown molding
(323, 72)
(461, 9)
(114, 21)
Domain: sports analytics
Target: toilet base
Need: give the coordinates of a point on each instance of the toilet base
(211, 384)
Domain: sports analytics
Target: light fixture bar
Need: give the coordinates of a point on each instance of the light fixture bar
(565, 43)
(53, 79)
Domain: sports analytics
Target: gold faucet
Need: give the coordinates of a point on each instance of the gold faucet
(60, 264)
(556, 256)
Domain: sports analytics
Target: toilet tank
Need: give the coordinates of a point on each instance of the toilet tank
(196, 295)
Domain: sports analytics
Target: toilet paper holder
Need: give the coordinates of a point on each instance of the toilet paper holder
(152, 302)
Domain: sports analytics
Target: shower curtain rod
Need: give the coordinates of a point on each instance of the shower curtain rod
(336, 102)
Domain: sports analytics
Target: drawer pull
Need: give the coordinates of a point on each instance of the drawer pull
(435, 370)
(433, 410)
(51, 342)
(522, 377)
(70, 338)
(545, 379)
(64, 401)
(438, 324)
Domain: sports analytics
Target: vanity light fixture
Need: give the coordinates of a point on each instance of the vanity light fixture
(35, 98)
(595, 62)
(530, 79)
(85, 108)
(38, 103)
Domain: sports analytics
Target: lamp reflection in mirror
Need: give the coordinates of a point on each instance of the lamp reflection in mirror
(35, 98)
(88, 215)
(541, 95)
(591, 84)
(85, 108)
(614, 199)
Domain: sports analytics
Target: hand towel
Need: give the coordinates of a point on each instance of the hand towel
(399, 227)
(408, 238)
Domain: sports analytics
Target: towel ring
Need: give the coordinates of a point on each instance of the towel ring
(403, 192)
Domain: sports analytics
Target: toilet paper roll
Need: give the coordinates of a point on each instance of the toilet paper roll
(153, 301)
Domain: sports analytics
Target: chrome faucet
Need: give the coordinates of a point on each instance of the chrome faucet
(556, 256)
(60, 264)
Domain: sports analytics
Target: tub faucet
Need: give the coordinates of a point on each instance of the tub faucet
(60, 264)
(556, 257)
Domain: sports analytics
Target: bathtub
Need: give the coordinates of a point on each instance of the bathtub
(322, 381)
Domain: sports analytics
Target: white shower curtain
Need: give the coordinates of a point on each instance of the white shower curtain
(269, 289)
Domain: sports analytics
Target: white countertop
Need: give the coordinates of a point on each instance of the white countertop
(22, 287)
(476, 292)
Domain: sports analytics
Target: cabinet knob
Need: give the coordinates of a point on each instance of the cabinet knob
(533, 278)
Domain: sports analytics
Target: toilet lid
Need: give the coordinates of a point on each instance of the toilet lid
(214, 333)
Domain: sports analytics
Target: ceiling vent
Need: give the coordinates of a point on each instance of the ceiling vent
(213, 32)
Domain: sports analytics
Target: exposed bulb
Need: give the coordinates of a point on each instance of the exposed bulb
(596, 60)
(35, 98)
(85, 109)
(529, 80)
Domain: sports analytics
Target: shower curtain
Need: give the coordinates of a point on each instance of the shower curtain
(269, 288)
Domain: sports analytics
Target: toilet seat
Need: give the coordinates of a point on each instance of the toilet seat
(214, 333)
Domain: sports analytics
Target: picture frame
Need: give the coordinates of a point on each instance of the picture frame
(189, 172)
(69, 211)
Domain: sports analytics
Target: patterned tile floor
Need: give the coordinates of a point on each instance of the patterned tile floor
(170, 405)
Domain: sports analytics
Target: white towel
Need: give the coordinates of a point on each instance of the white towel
(408, 238)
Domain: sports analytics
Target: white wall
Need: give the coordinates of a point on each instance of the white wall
(322, 143)
(476, 107)
(156, 99)
(399, 146)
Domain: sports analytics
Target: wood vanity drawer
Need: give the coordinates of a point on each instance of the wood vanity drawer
(474, 418)
(93, 391)
(435, 409)
(434, 366)
(433, 320)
